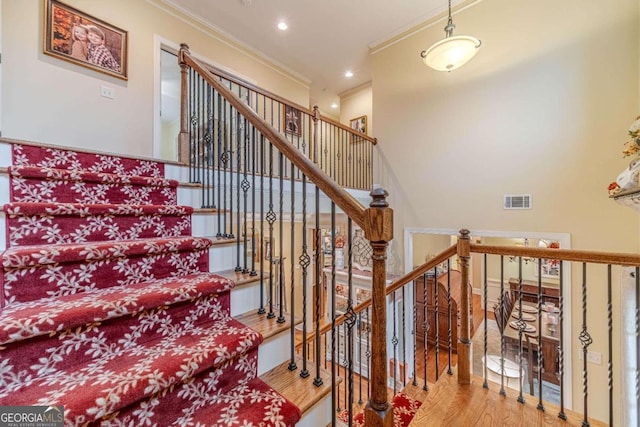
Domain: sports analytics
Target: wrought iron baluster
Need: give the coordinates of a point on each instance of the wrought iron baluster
(254, 157)
(436, 325)
(521, 328)
(394, 341)
(503, 392)
(246, 185)
(224, 157)
(281, 318)
(610, 342)
(585, 341)
(415, 335)
(261, 253)
(221, 135)
(304, 261)
(368, 353)
(360, 331)
(318, 287)
(404, 338)
(239, 148)
(425, 329)
(539, 361)
(271, 218)
(292, 305)
(637, 343)
(561, 413)
(485, 375)
(449, 332)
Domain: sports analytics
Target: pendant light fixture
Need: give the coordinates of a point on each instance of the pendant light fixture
(451, 52)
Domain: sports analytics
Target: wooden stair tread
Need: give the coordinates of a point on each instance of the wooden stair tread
(451, 404)
(263, 325)
(417, 392)
(206, 210)
(300, 391)
(241, 278)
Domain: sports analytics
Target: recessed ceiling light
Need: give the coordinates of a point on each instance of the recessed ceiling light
(334, 105)
(348, 74)
(282, 25)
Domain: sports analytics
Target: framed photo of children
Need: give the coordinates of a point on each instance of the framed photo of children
(359, 124)
(74, 36)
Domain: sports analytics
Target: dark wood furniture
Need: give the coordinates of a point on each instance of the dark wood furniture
(550, 291)
(443, 316)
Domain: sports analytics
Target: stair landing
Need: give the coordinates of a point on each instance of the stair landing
(450, 404)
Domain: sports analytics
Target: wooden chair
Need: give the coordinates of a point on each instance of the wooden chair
(530, 352)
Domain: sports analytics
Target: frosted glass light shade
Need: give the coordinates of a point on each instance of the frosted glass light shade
(451, 52)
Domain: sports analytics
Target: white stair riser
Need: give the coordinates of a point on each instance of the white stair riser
(3, 234)
(204, 224)
(273, 351)
(5, 155)
(245, 298)
(318, 415)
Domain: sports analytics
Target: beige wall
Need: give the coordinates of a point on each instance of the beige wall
(543, 109)
(49, 100)
(358, 103)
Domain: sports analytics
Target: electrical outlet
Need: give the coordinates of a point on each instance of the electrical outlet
(107, 92)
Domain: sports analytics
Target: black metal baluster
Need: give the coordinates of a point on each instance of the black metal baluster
(521, 328)
(254, 157)
(404, 338)
(415, 335)
(425, 328)
(206, 201)
(561, 413)
(637, 343)
(246, 185)
(318, 294)
(368, 353)
(292, 363)
(334, 358)
(436, 325)
(224, 157)
(281, 291)
(221, 135)
(485, 375)
(540, 367)
(304, 261)
(261, 253)
(503, 392)
(271, 218)
(394, 341)
(585, 341)
(610, 342)
(239, 145)
(360, 377)
(449, 370)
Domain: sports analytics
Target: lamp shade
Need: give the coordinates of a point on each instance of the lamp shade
(451, 52)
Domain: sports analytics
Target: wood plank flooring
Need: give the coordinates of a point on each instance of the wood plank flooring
(450, 404)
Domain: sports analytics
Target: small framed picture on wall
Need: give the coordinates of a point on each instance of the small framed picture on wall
(359, 125)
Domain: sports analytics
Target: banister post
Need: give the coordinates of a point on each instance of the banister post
(183, 137)
(378, 220)
(464, 342)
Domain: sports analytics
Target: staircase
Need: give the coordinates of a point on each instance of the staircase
(109, 309)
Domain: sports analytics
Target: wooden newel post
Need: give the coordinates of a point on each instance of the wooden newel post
(183, 137)
(379, 231)
(464, 343)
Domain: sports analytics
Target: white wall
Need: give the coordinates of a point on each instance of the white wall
(50, 100)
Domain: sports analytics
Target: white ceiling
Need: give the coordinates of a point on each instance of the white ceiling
(325, 37)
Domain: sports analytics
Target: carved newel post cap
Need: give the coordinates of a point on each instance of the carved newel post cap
(464, 233)
(184, 46)
(379, 196)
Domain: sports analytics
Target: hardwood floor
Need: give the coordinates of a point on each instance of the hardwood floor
(361, 384)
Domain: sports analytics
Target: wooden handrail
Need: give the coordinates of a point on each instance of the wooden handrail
(560, 254)
(228, 76)
(394, 286)
(336, 193)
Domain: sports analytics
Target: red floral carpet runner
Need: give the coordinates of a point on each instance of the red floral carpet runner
(404, 409)
(107, 306)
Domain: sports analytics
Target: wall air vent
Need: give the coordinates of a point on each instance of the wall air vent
(517, 201)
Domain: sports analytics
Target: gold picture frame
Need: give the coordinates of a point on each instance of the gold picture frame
(82, 39)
